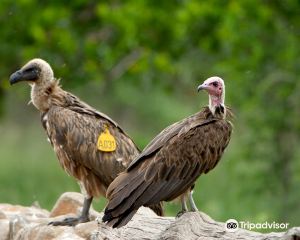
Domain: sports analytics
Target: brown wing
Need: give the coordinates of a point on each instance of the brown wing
(198, 119)
(170, 171)
(74, 134)
(75, 104)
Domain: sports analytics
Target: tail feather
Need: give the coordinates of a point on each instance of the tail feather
(158, 196)
(116, 191)
(122, 201)
(121, 214)
(129, 202)
(119, 182)
(110, 222)
(126, 194)
(124, 220)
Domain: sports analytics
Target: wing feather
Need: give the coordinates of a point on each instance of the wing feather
(168, 133)
(74, 135)
(168, 166)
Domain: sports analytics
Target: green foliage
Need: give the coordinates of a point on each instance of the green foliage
(140, 62)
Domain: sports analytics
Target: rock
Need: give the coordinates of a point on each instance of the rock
(68, 203)
(16, 217)
(85, 230)
(4, 229)
(2, 215)
(31, 212)
(31, 223)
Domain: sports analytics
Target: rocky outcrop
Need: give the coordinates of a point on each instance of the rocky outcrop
(31, 223)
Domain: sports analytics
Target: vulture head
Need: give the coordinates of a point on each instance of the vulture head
(39, 75)
(36, 71)
(215, 88)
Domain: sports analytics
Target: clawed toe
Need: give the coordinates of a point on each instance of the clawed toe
(69, 221)
(179, 214)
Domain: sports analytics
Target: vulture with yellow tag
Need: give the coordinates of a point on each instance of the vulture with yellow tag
(171, 163)
(89, 145)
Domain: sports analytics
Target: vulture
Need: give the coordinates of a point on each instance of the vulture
(89, 145)
(171, 163)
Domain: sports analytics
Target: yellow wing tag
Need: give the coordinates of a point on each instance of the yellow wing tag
(106, 142)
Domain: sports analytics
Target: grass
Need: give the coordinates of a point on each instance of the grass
(29, 169)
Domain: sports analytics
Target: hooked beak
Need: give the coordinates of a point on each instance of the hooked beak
(15, 77)
(202, 87)
(20, 75)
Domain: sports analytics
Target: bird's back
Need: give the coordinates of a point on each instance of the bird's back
(74, 129)
(169, 165)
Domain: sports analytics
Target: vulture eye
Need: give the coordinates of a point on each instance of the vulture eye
(31, 69)
(215, 84)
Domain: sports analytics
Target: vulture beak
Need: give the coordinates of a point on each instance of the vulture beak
(202, 87)
(21, 75)
(15, 77)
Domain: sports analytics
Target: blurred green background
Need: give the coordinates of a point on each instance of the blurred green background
(140, 62)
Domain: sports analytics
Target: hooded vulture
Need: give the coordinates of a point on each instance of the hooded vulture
(89, 145)
(170, 164)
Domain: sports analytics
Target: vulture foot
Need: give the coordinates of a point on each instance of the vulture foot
(179, 214)
(71, 221)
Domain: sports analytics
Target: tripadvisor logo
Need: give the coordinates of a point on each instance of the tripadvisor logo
(233, 225)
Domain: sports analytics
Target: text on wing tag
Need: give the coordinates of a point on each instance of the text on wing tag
(106, 142)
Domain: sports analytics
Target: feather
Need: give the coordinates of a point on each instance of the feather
(169, 165)
(73, 128)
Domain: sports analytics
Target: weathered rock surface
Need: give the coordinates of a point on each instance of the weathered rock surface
(31, 223)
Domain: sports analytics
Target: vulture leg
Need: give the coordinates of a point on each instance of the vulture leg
(184, 208)
(192, 203)
(72, 221)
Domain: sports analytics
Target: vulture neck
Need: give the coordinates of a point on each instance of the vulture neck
(43, 95)
(216, 105)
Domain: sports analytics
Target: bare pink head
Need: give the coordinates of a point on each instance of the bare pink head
(215, 88)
